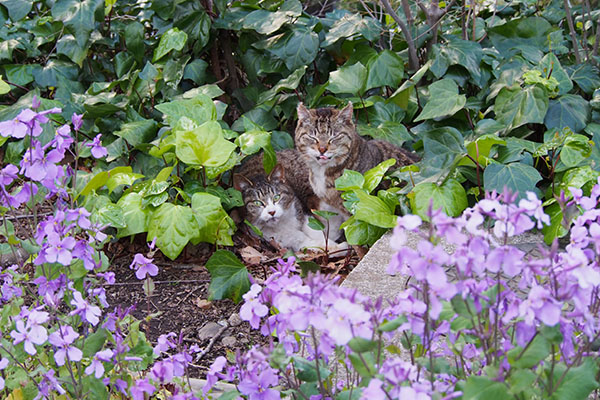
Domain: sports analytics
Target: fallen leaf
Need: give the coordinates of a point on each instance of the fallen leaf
(202, 303)
(252, 256)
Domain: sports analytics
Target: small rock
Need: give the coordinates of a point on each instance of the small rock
(234, 319)
(229, 341)
(244, 340)
(209, 330)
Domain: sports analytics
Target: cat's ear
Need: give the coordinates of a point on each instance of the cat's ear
(347, 113)
(241, 183)
(277, 175)
(303, 112)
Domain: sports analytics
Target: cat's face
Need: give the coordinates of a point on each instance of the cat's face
(324, 136)
(266, 199)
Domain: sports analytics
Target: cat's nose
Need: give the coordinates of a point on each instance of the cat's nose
(272, 212)
(322, 149)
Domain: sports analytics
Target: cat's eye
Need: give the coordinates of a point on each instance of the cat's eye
(313, 138)
(276, 198)
(258, 203)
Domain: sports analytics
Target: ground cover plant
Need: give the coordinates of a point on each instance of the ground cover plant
(126, 119)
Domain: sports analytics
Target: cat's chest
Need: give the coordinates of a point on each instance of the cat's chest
(318, 181)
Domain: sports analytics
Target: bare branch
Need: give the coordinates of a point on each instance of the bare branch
(595, 50)
(413, 60)
(572, 31)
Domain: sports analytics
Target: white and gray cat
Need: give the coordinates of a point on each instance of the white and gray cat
(275, 208)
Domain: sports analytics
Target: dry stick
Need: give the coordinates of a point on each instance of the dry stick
(463, 20)
(586, 8)
(572, 31)
(413, 61)
(595, 50)
(212, 342)
(474, 27)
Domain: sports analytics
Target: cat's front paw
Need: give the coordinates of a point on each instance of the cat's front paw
(333, 246)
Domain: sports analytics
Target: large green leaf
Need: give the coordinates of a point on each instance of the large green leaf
(54, 71)
(444, 100)
(297, 48)
(214, 225)
(536, 351)
(550, 67)
(443, 147)
(173, 39)
(450, 196)
(374, 176)
(360, 232)
(173, 226)
(516, 107)
(17, 9)
(134, 39)
(19, 74)
(267, 22)
(71, 48)
(518, 177)
(484, 388)
(136, 218)
(526, 34)
(252, 141)
(79, 16)
(229, 277)
(350, 25)
(387, 69)
(586, 76)
(204, 145)
(349, 79)
(575, 149)
(373, 210)
(199, 109)
(393, 132)
(466, 53)
(556, 229)
(138, 132)
(350, 180)
(569, 110)
(576, 383)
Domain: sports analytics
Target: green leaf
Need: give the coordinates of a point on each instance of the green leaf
(350, 180)
(569, 110)
(297, 48)
(444, 100)
(556, 228)
(136, 218)
(173, 39)
(550, 66)
(71, 48)
(349, 79)
(196, 71)
(390, 131)
(307, 372)
(375, 211)
(516, 107)
(577, 383)
(94, 342)
(450, 197)
(138, 132)
(200, 109)
(122, 178)
(173, 226)
(387, 69)
(213, 223)
(290, 83)
(586, 76)
(443, 148)
(360, 232)
(109, 214)
(19, 74)
(315, 224)
(576, 148)
(522, 381)
(374, 176)
(538, 350)
(466, 53)
(229, 277)
(17, 9)
(480, 148)
(517, 177)
(134, 40)
(483, 388)
(78, 16)
(267, 22)
(362, 345)
(204, 145)
(351, 25)
(4, 87)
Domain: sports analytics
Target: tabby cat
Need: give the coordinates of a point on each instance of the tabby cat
(273, 207)
(328, 142)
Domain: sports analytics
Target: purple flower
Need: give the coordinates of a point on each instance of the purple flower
(62, 139)
(62, 339)
(540, 304)
(32, 333)
(253, 310)
(8, 174)
(88, 312)
(96, 367)
(59, 250)
(162, 371)
(214, 373)
(16, 127)
(143, 266)
(49, 383)
(80, 216)
(257, 385)
(164, 343)
(373, 391)
(98, 151)
(140, 387)
(77, 120)
(84, 252)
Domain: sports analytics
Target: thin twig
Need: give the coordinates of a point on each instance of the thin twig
(572, 31)
(212, 342)
(158, 282)
(413, 60)
(187, 296)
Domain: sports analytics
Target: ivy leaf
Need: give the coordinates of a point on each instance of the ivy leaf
(134, 40)
(204, 145)
(229, 277)
(268, 22)
(550, 67)
(374, 176)
(516, 107)
(291, 83)
(349, 79)
(480, 148)
(136, 218)
(393, 132)
(252, 141)
(173, 39)
(375, 211)
(443, 147)
(199, 109)
(297, 48)
(586, 76)
(575, 149)
(213, 223)
(518, 177)
(173, 226)
(350, 180)
(449, 196)
(138, 132)
(387, 69)
(4, 87)
(444, 100)
(350, 25)
(17, 9)
(466, 53)
(569, 110)
(79, 16)
(122, 178)
(71, 48)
